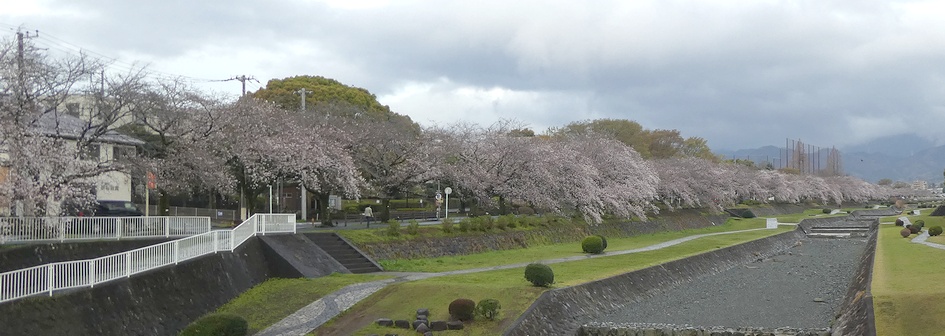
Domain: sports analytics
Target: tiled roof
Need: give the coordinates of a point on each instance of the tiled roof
(67, 126)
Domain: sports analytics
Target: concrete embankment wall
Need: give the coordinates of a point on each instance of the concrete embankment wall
(562, 311)
(160, 302)
(15, 257)
(855, 316)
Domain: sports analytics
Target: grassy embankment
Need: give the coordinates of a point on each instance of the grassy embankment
(399, 301)
(273, 300)
(907, 296)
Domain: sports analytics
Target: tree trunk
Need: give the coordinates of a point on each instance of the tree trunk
(503, 208)
(324, 213)
(385, 210)
(164, 203)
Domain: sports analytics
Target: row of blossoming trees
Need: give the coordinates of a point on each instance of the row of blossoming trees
(345, 143)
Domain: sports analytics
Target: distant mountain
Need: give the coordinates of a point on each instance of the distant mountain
(901, 146)
(889, 161)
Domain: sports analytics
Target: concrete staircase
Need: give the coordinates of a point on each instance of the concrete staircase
(839, 231)
(342, 251)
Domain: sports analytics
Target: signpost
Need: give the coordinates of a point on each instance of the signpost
(439, 201)
(447, 191)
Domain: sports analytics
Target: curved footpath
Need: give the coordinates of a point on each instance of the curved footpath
(920, 239)
(317, 313)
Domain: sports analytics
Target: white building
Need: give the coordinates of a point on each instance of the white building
(106, 148)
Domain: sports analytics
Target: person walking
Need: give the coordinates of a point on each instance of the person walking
(368, 215)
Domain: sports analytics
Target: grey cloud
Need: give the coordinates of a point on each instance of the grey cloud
(739, 75)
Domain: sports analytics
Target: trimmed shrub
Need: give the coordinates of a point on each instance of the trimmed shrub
(898, 222)
(413, 227)
(393, 228)
(488, 309)
(603, 240)
(826, 210)
(914, 228)
(217, 325)
(592, 244)
(935, 230)
(920, 223)
(527, 211)
(905, 232)
(462, 309)
(446, 225)
(539, 275)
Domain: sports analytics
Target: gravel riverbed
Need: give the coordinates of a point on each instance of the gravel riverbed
(801, 288)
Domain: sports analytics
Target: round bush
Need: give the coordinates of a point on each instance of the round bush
(920, 223)
(539, 275)
(905, 232)
(935, 230)
(898, 222)
(488, 309)
(462, 309)
(217, 325)
(826, 210)
(914, 228)
(592, 244)
(603, 241)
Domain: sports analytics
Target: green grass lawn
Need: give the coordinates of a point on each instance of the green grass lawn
(908, 298)
(809, 213)
(273, 300)
(543, 252)
(400, 301)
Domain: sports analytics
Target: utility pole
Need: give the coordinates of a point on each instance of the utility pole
(23, 91)
(242, 78)
(303, 92)
(302, 190)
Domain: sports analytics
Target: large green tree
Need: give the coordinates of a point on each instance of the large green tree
(285, 93)
(651, 144)
(387, 146)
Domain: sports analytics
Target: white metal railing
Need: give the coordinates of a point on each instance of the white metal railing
(39, 229)
(49, 278)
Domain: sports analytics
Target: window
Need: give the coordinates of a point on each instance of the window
(72, 109)
(122, 152)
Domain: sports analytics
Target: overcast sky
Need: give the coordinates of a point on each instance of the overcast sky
(741, 74)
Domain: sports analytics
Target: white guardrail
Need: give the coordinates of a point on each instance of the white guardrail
(49, 278)
(62, 229)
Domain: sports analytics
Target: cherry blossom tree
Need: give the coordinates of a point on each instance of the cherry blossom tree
(590, 174)
(45, 149)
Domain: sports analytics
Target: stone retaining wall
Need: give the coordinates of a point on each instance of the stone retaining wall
(562, 311)
(608, 329)
(16, 257)
(876, 212)
(855, 316)
(469, 244)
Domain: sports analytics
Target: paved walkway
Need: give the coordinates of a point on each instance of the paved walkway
(317, 313)
(920, 239)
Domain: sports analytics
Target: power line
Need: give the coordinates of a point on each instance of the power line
(61, 45)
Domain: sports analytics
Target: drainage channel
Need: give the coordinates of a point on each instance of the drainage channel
(797, 292)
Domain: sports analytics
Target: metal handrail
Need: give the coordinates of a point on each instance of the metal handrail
(53, 277)
(63, 229)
